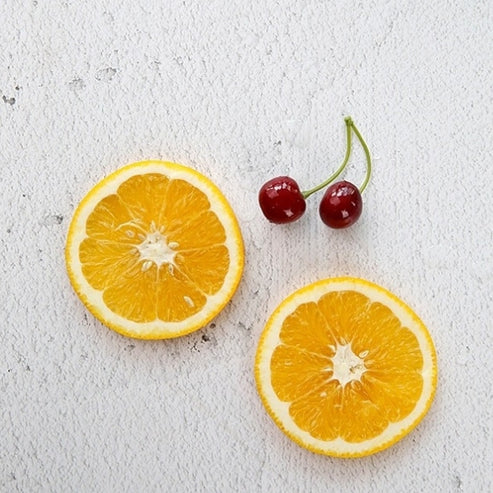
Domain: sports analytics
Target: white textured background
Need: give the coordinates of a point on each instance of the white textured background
(242, 91)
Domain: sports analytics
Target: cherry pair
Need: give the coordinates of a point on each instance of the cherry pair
(282, 201)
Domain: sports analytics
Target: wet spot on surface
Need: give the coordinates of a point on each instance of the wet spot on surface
(105, 74)
(7, 100)
(52, 219)
(108, 16)
(77, 84)
(243, 326)
(458, 482)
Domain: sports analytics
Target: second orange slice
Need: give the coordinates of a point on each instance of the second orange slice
(345, 368)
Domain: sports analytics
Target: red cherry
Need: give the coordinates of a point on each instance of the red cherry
(341, 205)
(281, 200)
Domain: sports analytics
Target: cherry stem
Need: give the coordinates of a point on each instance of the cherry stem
(341, 167)
(368, 157)
(350, 127)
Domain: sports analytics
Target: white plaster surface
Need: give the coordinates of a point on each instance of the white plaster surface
(242, 91)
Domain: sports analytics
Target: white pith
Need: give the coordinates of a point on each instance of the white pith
(280, 409)
(346, 366)
(156, 250)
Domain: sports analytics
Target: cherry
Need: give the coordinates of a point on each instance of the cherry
(281, 200)
(341, 205)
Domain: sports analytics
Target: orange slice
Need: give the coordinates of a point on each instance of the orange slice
(154, 250)
(345, 368)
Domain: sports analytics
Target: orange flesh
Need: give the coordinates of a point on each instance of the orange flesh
(145, 291)
(302, 367)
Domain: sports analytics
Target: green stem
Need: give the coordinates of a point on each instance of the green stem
(350, 127)
(349, 124)
(368, 157)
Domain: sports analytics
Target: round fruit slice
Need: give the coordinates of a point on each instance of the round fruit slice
(345, 368)
(154, 250)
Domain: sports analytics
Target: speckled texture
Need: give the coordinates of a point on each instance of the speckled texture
(242, 91)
